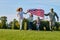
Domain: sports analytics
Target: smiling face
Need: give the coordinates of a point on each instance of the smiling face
(21, 9)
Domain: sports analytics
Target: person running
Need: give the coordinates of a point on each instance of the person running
(20, 15)
(38, 23)
(30, 19)
(52, 21)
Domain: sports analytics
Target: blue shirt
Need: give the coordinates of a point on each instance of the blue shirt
(21, 14)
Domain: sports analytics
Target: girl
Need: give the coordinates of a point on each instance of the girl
(20, 15)
(37, 23)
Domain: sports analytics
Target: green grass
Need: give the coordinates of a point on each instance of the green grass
(6, 34)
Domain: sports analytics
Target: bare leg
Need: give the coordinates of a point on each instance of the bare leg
(21, 24)
(50, 25)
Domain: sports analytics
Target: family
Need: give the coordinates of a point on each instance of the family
(51, 15)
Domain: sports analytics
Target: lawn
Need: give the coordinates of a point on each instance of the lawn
(7, 34)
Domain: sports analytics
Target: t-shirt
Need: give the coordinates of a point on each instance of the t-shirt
(52, 16)
(37, 22)
(21, 14)
(30, 19)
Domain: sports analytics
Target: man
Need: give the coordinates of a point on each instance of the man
(52, 21)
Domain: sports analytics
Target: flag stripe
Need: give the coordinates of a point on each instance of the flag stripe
(38, 12)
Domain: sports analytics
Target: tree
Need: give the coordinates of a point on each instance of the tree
(10, 25)
(14, 24)
(0, 25)
(3, 21)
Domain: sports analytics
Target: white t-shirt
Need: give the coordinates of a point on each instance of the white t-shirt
(30, 19)
(21, 15)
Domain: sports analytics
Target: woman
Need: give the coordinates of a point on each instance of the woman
(20, 15)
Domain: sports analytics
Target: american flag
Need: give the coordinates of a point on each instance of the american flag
(37, 12)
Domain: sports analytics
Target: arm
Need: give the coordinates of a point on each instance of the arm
(25, 12)
(46, 14)
(57, 17)
(17, 14)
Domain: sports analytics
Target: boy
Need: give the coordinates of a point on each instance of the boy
(30, 19)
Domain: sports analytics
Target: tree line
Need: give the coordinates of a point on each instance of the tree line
(44, 25)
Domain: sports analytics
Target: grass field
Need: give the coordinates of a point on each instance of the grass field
(7, 34)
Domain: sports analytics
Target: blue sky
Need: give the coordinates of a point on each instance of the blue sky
(8, 7)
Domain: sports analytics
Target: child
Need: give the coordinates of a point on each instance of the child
(30, 19)
(37, 23)
(20, 15)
